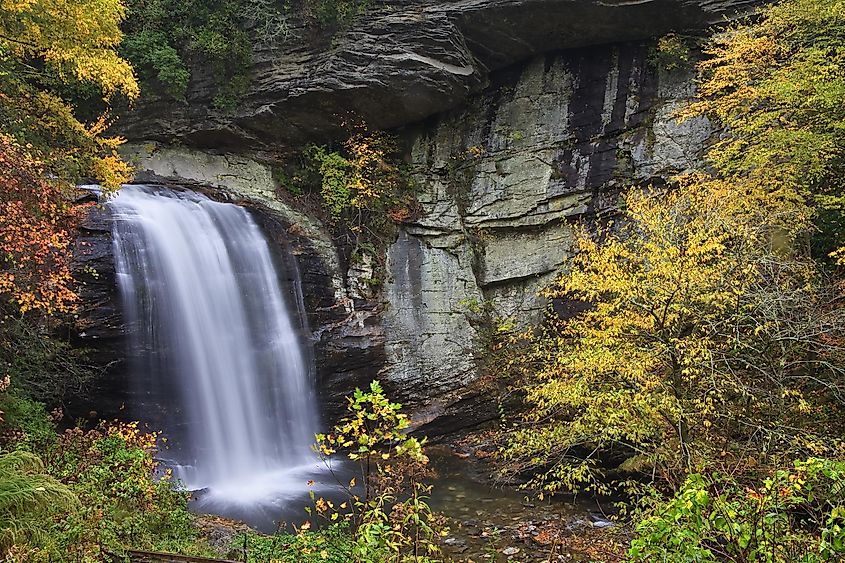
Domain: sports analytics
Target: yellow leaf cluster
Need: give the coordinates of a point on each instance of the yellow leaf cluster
(74, 37)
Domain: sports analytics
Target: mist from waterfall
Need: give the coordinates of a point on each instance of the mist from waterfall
(212, 325)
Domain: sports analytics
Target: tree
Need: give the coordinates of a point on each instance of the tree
(392, 521)
(48, 50)
(164, 36)
(47, 47)
(705, 340)
(708, 336)
(34, 234)
(66, 37)
(776, 84)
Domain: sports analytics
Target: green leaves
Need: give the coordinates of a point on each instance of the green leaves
(682, 316)
(332, 544)
(335, 14)
(94, 490)
(393, 520)
(162, 36)
(361, 178)
(375, 427)
(793, 515)
(153, 55)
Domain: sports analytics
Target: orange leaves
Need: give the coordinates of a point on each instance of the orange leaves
(34, 234)
(53, 51)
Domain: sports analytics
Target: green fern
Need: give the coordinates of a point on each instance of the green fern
(28, 498)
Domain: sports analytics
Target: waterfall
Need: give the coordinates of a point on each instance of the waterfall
(215, 332)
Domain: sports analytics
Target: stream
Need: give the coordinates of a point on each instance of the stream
(501, 523)
(486, 522)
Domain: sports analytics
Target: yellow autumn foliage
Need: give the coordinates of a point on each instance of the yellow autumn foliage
(700, 323)
(47, 46)
(705, 337)
(75, 37)
(776, 84)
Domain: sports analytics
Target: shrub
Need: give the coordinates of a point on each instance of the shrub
(40, 365)
(334, 14)
(332, 544)
(363, 187)
(165, 38)
(26, 424)
(794, 515)
(363, 178)
(392, 520)
(670, 53)
(109, 470)
(704, 340)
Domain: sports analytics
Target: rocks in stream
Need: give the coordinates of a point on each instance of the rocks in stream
(489, 521)
(529, 537)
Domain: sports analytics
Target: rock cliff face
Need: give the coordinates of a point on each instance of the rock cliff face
(401, 63)
(522, 117)
(552, 142)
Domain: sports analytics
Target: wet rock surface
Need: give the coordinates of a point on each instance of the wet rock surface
(99, 323)
(501, 182)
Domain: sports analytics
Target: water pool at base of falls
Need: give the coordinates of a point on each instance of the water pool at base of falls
(482, 519)
(275, 500)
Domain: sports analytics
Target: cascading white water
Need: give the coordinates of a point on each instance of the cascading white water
(211, 324)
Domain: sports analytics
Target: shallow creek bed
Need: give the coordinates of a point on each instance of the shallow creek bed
(503, 524)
